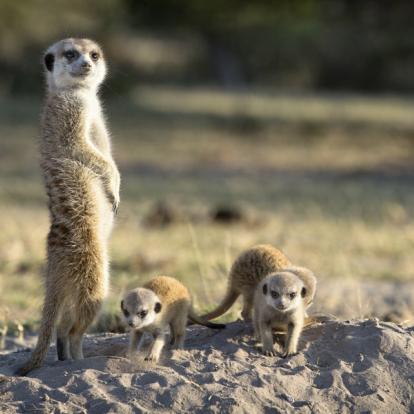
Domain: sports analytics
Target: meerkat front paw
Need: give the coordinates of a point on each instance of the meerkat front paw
(289, 353)
(112, 187)
(269, 352)
(152, 358)
(113, 200)
(115, 205)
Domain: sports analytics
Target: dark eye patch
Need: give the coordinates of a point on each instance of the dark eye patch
(126, 313)
(143, 314)
(274, 294)
(70, 54)
(292, 295)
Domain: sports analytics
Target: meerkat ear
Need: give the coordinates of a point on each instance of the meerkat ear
(303, 292)
(49, 61)
(157, 307)
(265, 289)
(122, 305)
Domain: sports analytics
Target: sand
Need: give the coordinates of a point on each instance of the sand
(342, 367)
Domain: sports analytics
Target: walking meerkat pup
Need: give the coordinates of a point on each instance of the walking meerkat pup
(280, 302)
(82, 183)
(162, 302)
(250, 267)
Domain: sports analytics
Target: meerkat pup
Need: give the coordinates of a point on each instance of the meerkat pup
(245, 274)
(163, 302)
(82, 183)
(280, 302)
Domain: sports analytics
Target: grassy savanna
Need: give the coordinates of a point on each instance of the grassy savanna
(327, 179)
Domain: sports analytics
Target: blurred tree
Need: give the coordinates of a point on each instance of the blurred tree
(325, 44)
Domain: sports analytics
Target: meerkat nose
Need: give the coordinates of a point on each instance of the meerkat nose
(130, 323)
(86, 64)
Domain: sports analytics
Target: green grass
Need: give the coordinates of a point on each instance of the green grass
(326, 179)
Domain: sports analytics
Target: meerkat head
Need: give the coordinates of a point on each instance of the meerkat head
(74, 63)
(140, 307)
(283, 291)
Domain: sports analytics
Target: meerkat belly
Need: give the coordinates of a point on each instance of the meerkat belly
(279, 326)
(104, 217)
(279, 322)
(81, 223)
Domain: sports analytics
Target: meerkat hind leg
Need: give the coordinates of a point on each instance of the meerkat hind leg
(178, 330)
(86, 315)
(76, 341)
(247, 307)
(62, 340)
(172, 337)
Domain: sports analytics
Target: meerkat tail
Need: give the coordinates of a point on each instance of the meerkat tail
(318, 318)
(50, 313)
(224, 306)
(197, 319)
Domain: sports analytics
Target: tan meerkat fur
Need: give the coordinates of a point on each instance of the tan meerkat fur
(280, 302)
(82, 183)
(250, 267)
(163, 302)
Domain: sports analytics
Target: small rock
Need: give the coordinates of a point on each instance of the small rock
(227, 214)
(161, 215)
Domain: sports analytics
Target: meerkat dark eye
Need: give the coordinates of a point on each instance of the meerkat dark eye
(303, 292)
(69, 54)
(274, 294)
(292, 295)
(94, 56)
(143, 314)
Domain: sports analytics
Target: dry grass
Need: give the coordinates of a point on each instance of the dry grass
(328, 180)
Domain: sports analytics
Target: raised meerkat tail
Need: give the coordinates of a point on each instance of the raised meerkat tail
(196, 319)
(224, 306)
(50, 313)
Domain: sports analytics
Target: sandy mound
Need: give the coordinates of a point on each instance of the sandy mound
(342, 367)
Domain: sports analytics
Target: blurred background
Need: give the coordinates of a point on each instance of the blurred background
(233, 123)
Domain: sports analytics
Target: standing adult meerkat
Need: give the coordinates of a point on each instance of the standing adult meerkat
(82, 183)
(162, 302)
(250, 267)
(280, 302)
